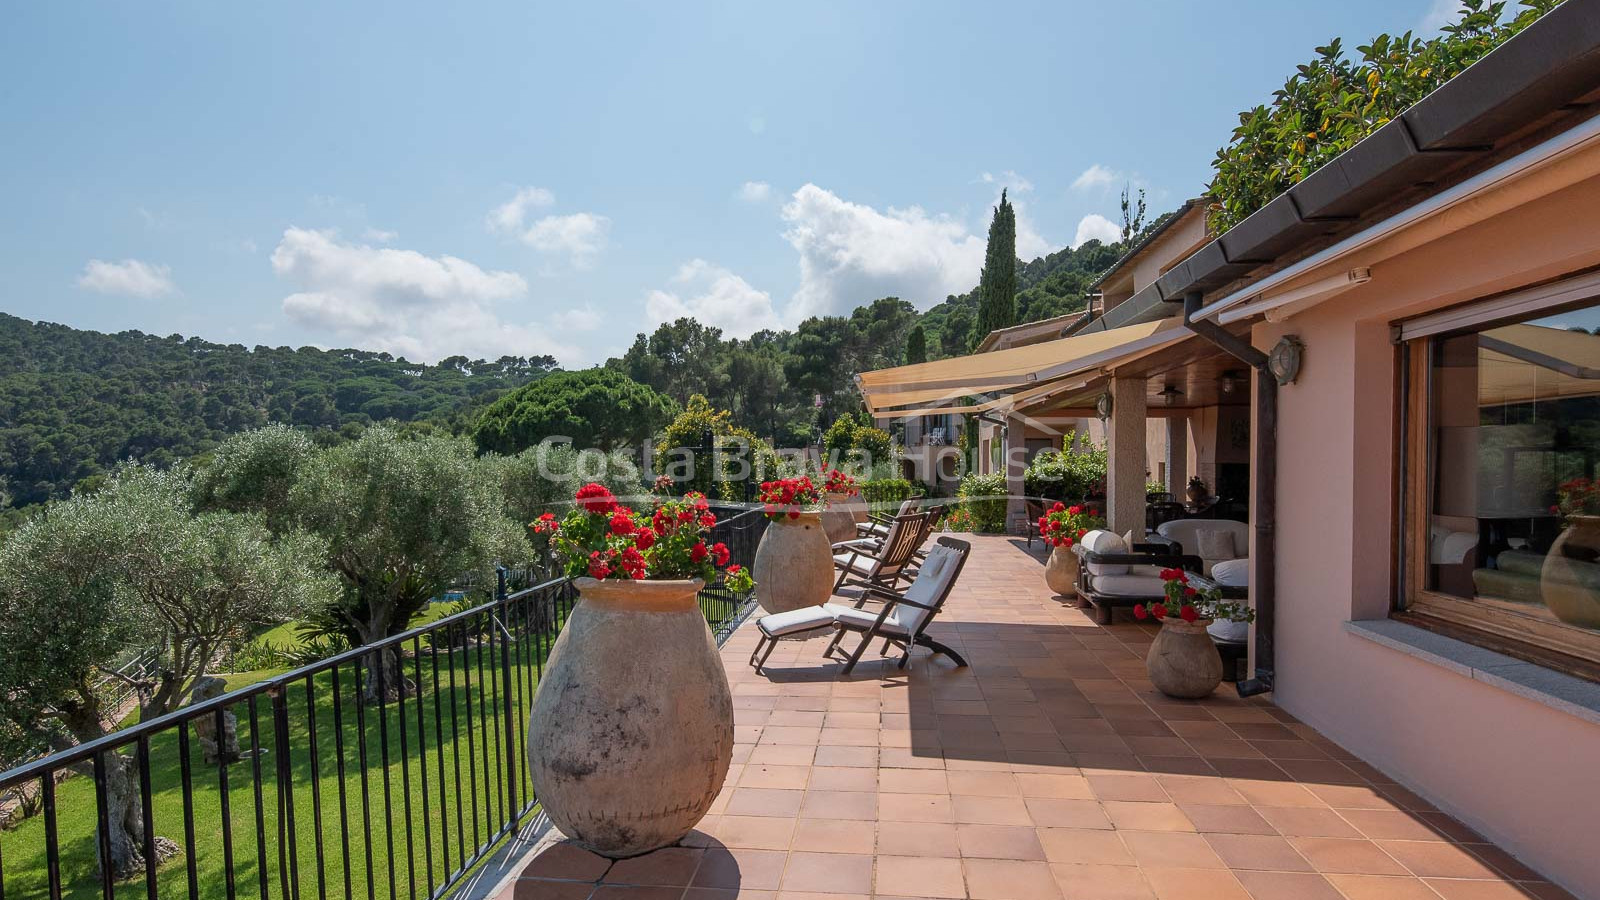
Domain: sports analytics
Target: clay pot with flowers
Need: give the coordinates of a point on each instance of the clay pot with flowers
(794, 562)
(1062, 527)
(840, 495)
(1183, 660)
(631, 731)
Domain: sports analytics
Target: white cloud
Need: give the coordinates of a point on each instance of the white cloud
(509, 216)
(755, 191)
(585, 319)
(1440, 13)
(1097, 177)
(714, 296)
(1096, 227)
(410, 304)
(1008, 179)
(131, 276)
(580, 236)
(851, 254)
(379, 236)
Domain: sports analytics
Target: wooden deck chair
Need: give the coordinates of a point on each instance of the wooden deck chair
(878, 526)
(903, 619)
(880, 563)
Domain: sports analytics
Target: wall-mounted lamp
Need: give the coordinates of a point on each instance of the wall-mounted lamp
(1285, 359)
(1230, 382)
(1169, 394)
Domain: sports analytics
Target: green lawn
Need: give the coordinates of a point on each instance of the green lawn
(445, 773)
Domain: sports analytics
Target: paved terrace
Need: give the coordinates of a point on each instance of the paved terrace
(1048, 770)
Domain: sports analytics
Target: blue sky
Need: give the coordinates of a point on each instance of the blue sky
(489, 178)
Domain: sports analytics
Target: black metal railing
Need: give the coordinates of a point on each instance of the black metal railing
(390, 770)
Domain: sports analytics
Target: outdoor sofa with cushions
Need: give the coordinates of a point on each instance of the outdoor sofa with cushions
(901, 619)
(1213, 540)
(1116, 575)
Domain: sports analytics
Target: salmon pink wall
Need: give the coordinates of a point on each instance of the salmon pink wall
(1517, 771)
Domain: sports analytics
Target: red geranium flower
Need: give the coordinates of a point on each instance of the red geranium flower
(596, 498)
(644, 538)
(621, 523)
(720, 553)
(1159, 610)
(599, 566)
(708, 520)
(698, 552)
(1139, 611)
(1188, 613)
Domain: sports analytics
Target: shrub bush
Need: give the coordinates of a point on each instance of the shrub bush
(889, 491)
(984, 496)
(1067, 476)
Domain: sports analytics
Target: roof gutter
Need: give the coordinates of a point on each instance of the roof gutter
(1264, 486)
(1472, 198)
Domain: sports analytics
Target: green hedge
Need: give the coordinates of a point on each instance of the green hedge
(890, 491)
(1067, 476)
(984, 496)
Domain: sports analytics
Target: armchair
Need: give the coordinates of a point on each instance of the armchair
(1116, 575)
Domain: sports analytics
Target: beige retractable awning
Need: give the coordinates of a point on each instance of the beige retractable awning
(967, 384)
(1524, 363)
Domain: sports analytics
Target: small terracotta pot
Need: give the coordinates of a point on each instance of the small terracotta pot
(794, 564)
(1183, 662)
(838, 519)
(631, 731)
(1569, 582)
(1061, 572)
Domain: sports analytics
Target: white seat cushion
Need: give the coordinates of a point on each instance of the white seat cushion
(1101, 541)
(864, 618)
(1129, 585)
(1202, 538)
(1232, 573)
(860, 565)
(795, 620)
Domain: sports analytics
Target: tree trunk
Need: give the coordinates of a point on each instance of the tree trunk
(124, 809)
(382, 677)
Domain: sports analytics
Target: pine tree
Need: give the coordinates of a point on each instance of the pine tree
(916, 346)
(997, 286)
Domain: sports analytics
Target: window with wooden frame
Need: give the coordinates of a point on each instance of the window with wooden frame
(1501, 475)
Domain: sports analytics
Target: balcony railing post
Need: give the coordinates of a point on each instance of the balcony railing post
(288, 857)
(508, 704)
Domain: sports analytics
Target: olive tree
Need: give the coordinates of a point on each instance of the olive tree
(401, 520)
(253, 471)
(128, 568)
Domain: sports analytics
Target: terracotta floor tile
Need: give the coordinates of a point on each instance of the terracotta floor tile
(913, 781)
(1001, 879)
(1101, 882)
(914, 876)
(1343, 856)
(915, 808)
(999, 842)
(984, 784)
(732, 867)
(1226, 819)
(754, 832)
(1054, 786)
(1210, 791)
(1128, 787)
(1275, 793)
(1351, 796)
(764, 802)
(976, 810)
(698, 893)
(1460, 889)
(667, 867)
(1287, 886)
(801, 717)
(1392, 825)
(635, 892)
(843, 778)
(542, 889)
(896, 758)
(1257, 851)
(1171, 849)
(782, 777)
(566, 861)
(1127, 815)
(830, 873)
(790, 734)
(918, 839)
(1305, 822)
(782, 755)
(854, 757)
(1431, 859)
(859, 805)
(841, 836)
(1084, 846)
(1195, 884)
(1382, 887)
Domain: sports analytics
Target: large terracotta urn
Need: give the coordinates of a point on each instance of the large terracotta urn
(1061, 572)
(1570, 577)
(1183, 662)
(838, 518)
(794, 564)
(631, 731)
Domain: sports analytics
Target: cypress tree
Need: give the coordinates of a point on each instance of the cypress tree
(917, 346)
(997, 286)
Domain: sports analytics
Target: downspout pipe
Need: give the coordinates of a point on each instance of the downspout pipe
(1264, 476)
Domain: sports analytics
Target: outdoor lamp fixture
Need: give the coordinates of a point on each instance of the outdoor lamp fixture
(1285, 359)
(1102, 406)
(1169, 394)
(1230, 382)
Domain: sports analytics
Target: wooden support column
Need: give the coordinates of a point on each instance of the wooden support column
(1125, 453)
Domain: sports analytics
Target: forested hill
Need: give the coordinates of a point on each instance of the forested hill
(73, 403)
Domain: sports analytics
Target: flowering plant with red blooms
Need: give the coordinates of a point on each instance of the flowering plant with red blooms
(602, 538)
(789, 497)
(1065, 525)
(837, 482)
(1577, 497)
(1191, 603)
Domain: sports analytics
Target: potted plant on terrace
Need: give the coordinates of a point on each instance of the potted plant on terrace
(794, 561)
(839, 517)
(631, 731)
(1062, 527)
(1183, 660)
